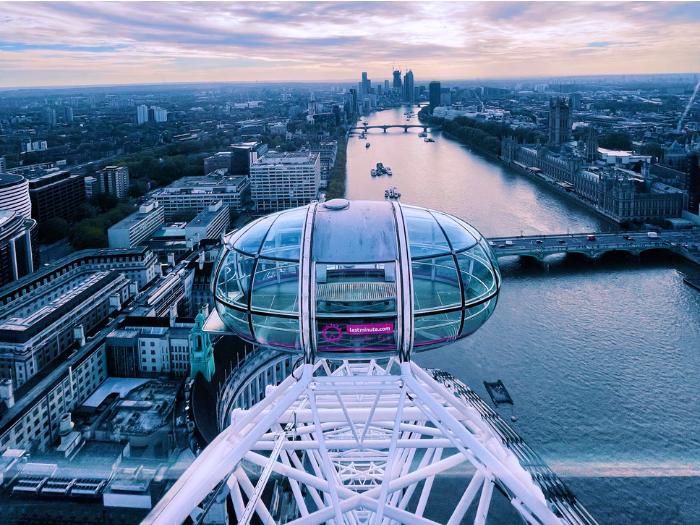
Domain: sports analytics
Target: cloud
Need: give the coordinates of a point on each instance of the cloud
(131, 42)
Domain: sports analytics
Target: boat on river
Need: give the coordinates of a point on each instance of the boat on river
(380, 170)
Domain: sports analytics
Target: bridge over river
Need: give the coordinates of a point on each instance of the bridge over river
(594, 245)
(385, 127)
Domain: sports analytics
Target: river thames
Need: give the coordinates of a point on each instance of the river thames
(602, 359)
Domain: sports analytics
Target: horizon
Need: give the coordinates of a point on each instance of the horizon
(74, 45)
(562, 78)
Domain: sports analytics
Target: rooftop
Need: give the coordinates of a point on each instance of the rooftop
(296, 157)
(204, 182)
(8, 179)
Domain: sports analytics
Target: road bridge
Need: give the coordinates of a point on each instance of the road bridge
(385, 127)
(594, 245)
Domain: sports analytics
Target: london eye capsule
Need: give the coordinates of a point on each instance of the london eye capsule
(355, 279)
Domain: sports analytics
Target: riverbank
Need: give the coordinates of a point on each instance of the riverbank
(552, 185)
(337, 182)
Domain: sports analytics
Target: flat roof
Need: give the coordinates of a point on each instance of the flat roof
(297, 157)
(195, 182)
(8, 179)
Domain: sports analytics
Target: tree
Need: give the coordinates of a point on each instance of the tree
(53, 230)
(87, 235)
(617, 140)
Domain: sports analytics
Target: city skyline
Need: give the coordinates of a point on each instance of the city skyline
(64, 44)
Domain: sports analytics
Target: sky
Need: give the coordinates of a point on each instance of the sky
(64, 43)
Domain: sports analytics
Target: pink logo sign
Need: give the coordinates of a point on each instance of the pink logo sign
(370, 329)
(332, 332)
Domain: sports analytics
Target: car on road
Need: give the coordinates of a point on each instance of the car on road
(590, 237)
(539, 241)
(509, 243)
(562, 241)
(627, 238)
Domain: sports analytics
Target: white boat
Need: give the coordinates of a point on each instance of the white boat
(392, 193)
(422, 134)
(367, 144)
(428, 139)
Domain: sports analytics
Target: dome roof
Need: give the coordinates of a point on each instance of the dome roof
(355, 278)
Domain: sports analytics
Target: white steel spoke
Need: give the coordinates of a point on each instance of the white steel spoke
(357, 443)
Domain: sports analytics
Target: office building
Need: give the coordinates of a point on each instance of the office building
(16, 258)
(141, 114)
(365, 85)
(243, 154)
(14, 194)
(285, 180)
(67, 114)
(92, 188)
(445, 97)
(114, 180)
(32, 421)
(157, 114)
(218, 161)
(210, 223)
(387, 87)
(36, 145)
(150, 346)
(408, 87)
(328, 151)
(559, 121)
(196, 193)
(168, 294)
(396, 80)
(38, 327)
(50, 115)
(137, 227)
(139, 265)
(56, 194)
(434, 92)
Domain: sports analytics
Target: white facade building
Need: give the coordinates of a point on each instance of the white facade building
(141, 114)
(14, 194)
(114, 180)
(137, 227)
(38, 327)
(285, 180)
(197, 193)
(209, 223)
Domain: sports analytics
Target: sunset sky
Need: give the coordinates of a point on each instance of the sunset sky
(51, 44)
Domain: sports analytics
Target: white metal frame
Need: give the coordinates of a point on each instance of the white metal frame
(360, 442)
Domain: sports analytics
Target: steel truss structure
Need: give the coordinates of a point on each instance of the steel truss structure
(362, 442)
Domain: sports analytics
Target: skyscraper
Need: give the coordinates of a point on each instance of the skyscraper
(408, 89)
(397, 80)
(559, 121)
(141, 114)
(114, 180)
(51, 116)
(67, 114)
(434, 93)
(366, 84)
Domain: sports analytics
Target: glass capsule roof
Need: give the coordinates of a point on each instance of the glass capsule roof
(330, 279)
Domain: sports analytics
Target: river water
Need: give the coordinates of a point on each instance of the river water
(602, 359)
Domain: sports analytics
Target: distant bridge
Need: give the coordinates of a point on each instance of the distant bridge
(594, 245)
(424, 127)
